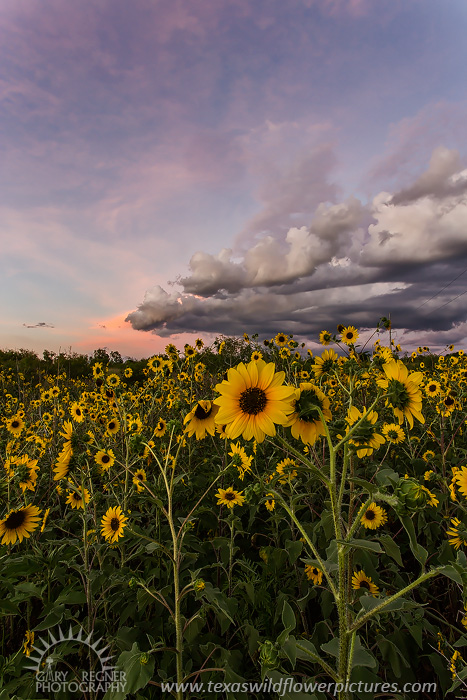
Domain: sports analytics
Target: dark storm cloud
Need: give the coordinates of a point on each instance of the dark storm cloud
(353, 264)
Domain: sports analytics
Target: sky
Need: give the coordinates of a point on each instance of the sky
(171, 169)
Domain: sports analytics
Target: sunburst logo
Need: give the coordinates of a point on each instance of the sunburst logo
(49, 679)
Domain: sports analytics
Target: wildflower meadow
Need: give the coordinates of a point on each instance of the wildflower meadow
(235, 513)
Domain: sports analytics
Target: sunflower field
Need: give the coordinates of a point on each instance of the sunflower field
(243, 513)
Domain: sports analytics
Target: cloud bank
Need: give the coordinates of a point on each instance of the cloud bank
(353, 263)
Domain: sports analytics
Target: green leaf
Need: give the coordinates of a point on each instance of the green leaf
(452, 572)
(290, 650)
(138, 668)
(294, 548)
(391, 548)
(418, 551)
(288, 617)
(332, 647)
(364, 485)
(361, 656)
(362, 544)
(53, 618)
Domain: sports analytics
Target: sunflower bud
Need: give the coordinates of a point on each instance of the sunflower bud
(268, 655)
(412, 495)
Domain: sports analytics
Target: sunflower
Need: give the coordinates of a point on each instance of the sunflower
(62, 465)
(199, 343)
(128, 373)
(30, 477)
(189, 352)
(305, 422)
(161, 427)
(75, 499)
(113, 380)
(44, 519)
(28, 644)
(97, 370)
(253, 398)
(240, 459)
(19, 523)
(156, 364)
(229, 497)
(456, 533)
(393, 433)
(113, 426)
(105, 459)
(325, 364)
(325, 337)
(403, 391)
(15, 425)
(286, 469)
(460, 477)
(361, 580)
(77, 412)
(201, 420)
(349, 335)
(113, 524)
(313, 573)
(432, 388)
(270, 503)
(374, 517)
(447, 406)
(256, 355)
(281, 339)
(365, 439)
(138, 479)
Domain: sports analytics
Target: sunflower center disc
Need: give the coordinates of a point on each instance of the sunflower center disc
(364, 584)
(229, 496)
(370, 515)
(15, 519)
(114, 524)
(253, 400)
(201, 414)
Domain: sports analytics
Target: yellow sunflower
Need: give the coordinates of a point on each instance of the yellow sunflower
(77, 412)
(281, 339)
(456, 533)
(105, 459)
(365, 439)
(313, 573)
(113, 426)
(325, 337)
(374, 517)
(305, 422)
(361, 580)
(256, 355)
(139, 479)
(270, 502)
(286, 468)
(229, 497)
(28, 644)
(113, 524)
(75, 499)
(253, 398)
(432, 388)
(161, 427)
(15, 425)
(460, 477)
(325, 364)
(393, 433)
(403, 391)
(240, 459)
(349, 335)
(201, 420)
(19, 523)
(62, 465)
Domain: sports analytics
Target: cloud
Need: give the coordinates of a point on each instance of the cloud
(39, 325)
(442, 179)
(352, 264)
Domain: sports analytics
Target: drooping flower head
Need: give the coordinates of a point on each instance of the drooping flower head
(305, 421)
